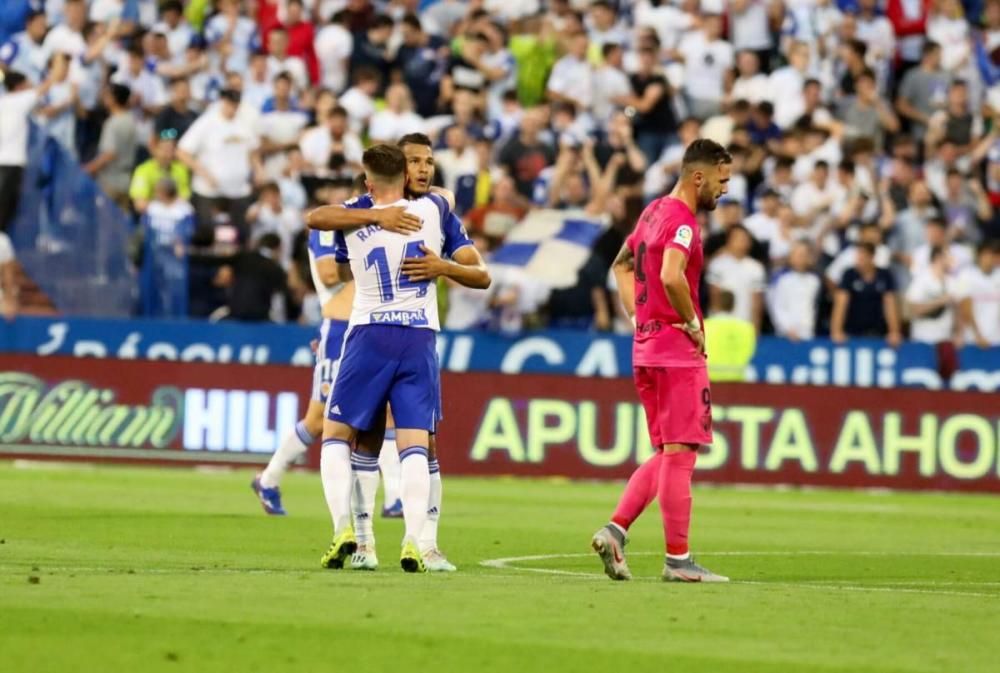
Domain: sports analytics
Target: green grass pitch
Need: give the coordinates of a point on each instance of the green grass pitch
(112, 569)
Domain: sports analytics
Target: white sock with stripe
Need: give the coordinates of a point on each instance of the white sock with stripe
(388, 463)
(428, 536)
(415, 487)
(365, 469)
(335, 470)
(292, 446)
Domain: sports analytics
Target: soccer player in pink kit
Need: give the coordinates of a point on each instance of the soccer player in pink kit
(658, 272)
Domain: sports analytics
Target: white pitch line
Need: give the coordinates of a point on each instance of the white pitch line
(828, 585)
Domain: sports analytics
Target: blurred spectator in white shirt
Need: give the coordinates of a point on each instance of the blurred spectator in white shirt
(269, 215)
(359, 100)
(611, 84)
(734, 270)
(936, 235)
(570, 80)
(978, 288)
(398, 117)
(321, 144)
(792, 298)
(751, 84)
(930, 300)
(707, 61)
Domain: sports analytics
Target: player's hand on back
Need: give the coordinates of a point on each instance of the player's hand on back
(398, 220)
(428, 267)
(696, 335)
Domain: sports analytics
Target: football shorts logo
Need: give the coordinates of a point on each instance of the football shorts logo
(683, 236)
(326, 238)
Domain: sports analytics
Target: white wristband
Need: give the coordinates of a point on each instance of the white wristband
(693, 324)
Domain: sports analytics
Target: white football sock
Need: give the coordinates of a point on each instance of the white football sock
(292, 446)
(415, 488)
(429, 534)
(363, 501)
(335, 469)
(388, 463)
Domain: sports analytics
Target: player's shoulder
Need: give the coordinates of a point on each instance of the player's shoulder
(360, 201)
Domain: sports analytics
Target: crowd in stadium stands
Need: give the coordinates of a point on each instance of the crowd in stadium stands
(865, 136)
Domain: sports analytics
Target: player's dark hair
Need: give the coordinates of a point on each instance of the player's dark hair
(14, 79)
(724, 301)
(384, 161)
(412, 21)
(120, 94)
(270, 241)
(705, 152)
(381, 21)
(414, 139)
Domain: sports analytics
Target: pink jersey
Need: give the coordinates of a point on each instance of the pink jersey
(665, 223)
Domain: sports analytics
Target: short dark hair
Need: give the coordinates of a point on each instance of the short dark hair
(608, 48)
(930, 47)
(866, 247)
(339, 111)
(284, 76)
(725, 301)
(414, 139)
(270, 240)
(367, 72)
(120, 94)
(858, 47)
(171, 5)
(936, 221)
(381, 21)
(384, 161)
(868, 73)
(14, 79)
(705, 152)
(413, 21)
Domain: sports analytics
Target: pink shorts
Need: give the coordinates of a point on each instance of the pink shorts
(678, 404)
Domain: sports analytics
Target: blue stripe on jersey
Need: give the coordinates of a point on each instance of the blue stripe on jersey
(340, 242)
(322, 243)
(455, 236)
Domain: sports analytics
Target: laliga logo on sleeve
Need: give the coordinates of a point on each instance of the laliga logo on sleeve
(683, 236)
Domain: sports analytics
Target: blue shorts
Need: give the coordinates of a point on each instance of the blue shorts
(331, 344)
(387, 364)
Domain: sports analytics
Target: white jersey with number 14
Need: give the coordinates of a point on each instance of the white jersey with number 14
(384, 295)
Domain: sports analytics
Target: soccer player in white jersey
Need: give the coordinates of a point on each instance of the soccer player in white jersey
(389, 354)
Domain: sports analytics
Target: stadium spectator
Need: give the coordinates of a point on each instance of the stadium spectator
(177, 115)
(162, 165)
(707, 59)
(931, 299)
(330, 148)
(117, 148)
(398, 117)
(735, 271)
(652, 106)
(24, 51)
(269, 215)
(371, 49)
(570, 81)
(255, 282)
(221, 149)
(334, 45)
(978, 289)
(793, 296)
(731, 340)
(923, 90)
(167, 227)
(864, 304)
(9, 289)
(525, 156)
(16, 105)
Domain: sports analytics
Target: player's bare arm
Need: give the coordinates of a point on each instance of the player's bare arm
(339, 218)
(679, 294)
(465, 268)
(624, 270)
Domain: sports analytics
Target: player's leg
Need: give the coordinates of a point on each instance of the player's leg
(388, 464)
(434, 559)
(364, 462)
(267, 484)
(413, 398)
(686, 423)
(359, 394)
(609, 542)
